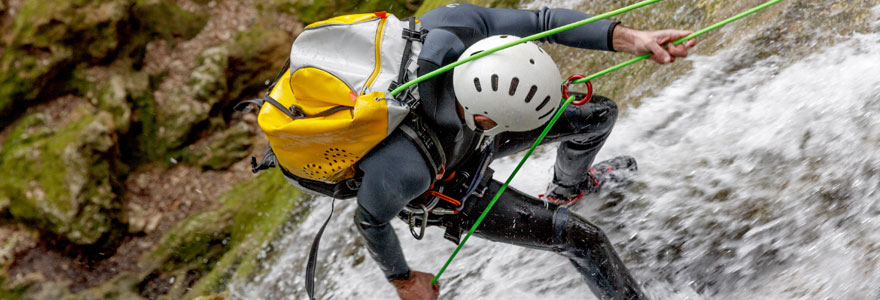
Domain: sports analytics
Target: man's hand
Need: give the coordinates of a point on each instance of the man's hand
(642, 42)
(417, 287)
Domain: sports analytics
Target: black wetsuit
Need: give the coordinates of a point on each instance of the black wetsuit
(395, 172)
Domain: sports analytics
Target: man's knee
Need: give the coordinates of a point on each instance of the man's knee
(597, 115)
(366, 220)
(573, 232)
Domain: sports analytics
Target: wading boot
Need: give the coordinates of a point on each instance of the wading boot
(609, 171)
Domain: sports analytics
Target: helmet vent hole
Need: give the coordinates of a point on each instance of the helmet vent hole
(513, 84)
(531, 93)
(503, 36)
(475, 53)
(494, 82)
(532, 61)
(477, 84)
(549, 112)
(546, 100)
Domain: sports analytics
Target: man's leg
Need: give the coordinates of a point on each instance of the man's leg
(582, 131)
(519, 219)
(394, 173)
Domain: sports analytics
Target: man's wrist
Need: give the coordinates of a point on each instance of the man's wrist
(622, 39)
(401, 276)
(610, 37)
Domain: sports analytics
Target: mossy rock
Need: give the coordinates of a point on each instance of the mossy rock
(112, 92)
(256, 56)
(432, 4)
(212, 248)
(13, 290)
(44, 40)
(163, 18)
(47, 39)
(177, 117)
(222, 149)
(59, 177)
(317, 10)
(207, 82)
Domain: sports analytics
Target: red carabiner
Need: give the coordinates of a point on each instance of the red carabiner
(589, 89)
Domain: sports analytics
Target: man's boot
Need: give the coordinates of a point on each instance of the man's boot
(609, 171)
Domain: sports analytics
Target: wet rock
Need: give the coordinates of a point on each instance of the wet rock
(58, 174)
(222, 149)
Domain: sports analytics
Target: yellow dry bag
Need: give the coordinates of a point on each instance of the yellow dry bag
(331, 104)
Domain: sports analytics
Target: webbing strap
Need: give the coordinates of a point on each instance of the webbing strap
(410, 35)
(280, 107)
(426, 140)
(268, 161)
(313, 255)
(247, 105)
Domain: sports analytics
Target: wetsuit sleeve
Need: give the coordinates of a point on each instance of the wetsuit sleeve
(495, 21)
(395, 172)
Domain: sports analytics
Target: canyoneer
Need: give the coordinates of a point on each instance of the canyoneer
(424, 155)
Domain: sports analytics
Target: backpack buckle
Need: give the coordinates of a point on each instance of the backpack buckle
(415, 35)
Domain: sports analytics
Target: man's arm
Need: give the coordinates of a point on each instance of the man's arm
(600, 35)
(496, 21)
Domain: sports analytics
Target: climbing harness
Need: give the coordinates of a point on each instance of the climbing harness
(447, 197)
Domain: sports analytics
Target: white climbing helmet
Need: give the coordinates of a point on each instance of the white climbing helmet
(519, 87)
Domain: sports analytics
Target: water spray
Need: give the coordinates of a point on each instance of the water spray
(568, 100)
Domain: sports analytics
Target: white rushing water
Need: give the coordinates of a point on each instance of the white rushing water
(759, 183)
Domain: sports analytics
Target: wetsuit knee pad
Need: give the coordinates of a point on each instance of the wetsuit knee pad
(573, 232)
(598, 114)
(560, 219)
(364, 220)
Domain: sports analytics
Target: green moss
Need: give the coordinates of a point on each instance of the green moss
(263, 206)
(13, 291)
(46, 38)
(229, 242)
(57, 177)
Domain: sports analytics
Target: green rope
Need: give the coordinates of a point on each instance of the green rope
(520, 41)
(562, 109)
(679, 41)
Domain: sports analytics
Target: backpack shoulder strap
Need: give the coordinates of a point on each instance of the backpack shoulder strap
(411, 34)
